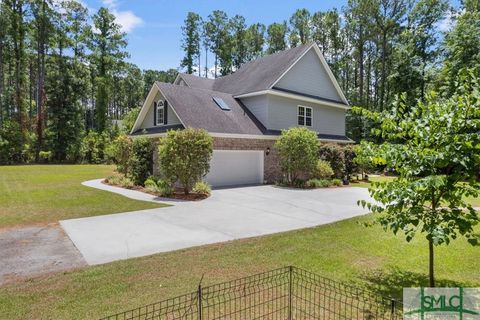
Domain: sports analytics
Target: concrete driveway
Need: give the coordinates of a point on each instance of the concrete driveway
(228, 214)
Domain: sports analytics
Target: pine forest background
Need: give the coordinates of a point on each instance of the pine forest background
(64, 78)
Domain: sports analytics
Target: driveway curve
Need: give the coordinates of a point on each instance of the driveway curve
(228, 214)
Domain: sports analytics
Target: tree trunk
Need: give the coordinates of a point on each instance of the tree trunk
(384, 71)
(360, 66)
(430, 266)
(41, 80)
(18, 47)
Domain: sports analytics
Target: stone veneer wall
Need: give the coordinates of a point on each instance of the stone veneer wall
(271, 165)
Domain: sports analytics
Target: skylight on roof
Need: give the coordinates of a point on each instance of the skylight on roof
(221, 103)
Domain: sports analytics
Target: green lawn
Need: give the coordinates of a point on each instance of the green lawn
(48, 193)
(345, 251)
(474, 201)
(365, 184)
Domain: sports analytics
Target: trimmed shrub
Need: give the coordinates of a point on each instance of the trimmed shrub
(120, 180)
(337, 182)
(323, 170)
(120, 151)
(318, 183)
(202, 187)
(161, 187)
(151, 185)
(165, 188)
(298, 152)
(140, 164)
(184, 156)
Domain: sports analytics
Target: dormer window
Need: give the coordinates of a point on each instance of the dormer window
(160, 113)
(304, 116)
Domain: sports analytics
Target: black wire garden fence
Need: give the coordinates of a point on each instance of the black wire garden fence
(287, 293)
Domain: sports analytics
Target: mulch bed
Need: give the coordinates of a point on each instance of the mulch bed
(177, 195)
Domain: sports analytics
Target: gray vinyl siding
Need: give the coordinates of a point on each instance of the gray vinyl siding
(282, 114)
(172, 118)
(310, 77)
(258, 105)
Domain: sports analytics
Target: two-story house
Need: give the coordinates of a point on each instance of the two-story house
(246, 111)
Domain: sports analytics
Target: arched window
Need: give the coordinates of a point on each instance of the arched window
(160, 113)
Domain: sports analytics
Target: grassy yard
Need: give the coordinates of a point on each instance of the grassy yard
(345, 251)
(47, 193)
(474, 201)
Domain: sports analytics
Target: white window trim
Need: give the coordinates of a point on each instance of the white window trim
(160, 107)
(305, 116)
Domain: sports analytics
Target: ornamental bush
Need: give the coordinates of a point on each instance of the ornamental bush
(298, 152)
(140, 164)
(184, 156)
(202, 187)
(333, 154)
(318, 183)
(323, 170)
(163, 187)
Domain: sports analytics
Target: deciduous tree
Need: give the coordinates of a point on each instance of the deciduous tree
(434, 147)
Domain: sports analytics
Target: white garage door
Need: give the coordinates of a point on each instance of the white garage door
(235, 167)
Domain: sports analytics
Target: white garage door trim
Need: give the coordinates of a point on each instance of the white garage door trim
(235, 167)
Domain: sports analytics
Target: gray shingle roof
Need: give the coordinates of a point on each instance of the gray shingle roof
(261, 73)
(196, 109)
(256, 75)
(197, 82)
